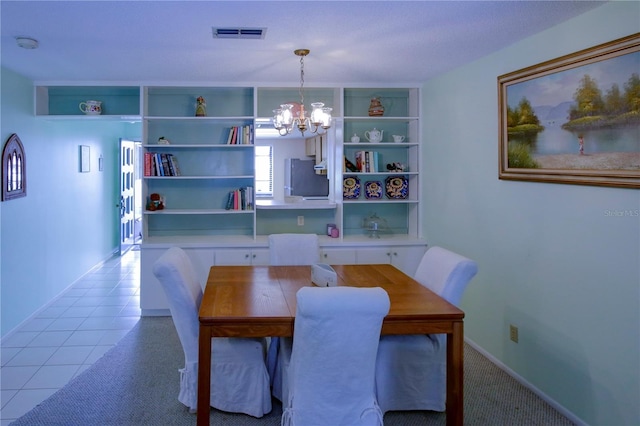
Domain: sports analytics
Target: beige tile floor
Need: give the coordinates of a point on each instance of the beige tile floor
(69, 335)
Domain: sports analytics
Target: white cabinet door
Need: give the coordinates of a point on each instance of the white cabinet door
(373, 255)
(242, 256)
(152, 297)
(405, 258)
(338, 256)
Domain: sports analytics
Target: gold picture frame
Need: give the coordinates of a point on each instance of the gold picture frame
(574, 119)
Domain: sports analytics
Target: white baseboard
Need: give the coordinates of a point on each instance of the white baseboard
(568, 414)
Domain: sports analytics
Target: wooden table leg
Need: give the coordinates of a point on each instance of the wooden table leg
(204, 375)
(455, 375)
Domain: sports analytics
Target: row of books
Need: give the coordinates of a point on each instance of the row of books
(367, 161)
(240, 199)
(156, 164)
(240, 135)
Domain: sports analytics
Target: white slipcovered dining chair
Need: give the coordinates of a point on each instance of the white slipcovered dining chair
(240, 381)
(411, 369)
(293, 249)
(330, 368)
(288, 249)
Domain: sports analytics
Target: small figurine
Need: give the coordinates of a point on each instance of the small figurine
(375, 108)
(156, 202)
(163, 141)
(395, 167)
(201, 107)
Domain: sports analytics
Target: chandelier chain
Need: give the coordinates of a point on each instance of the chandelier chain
(302, 80)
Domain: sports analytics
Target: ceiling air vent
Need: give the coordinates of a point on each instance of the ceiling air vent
(245, 33)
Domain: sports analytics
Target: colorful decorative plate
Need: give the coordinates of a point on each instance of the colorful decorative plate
(351, 188)
(373, 189)
(397, 187)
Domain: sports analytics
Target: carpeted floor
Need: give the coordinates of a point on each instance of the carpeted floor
(136, 383)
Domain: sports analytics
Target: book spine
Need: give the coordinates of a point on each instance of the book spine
(172, 170)
(251, 197)
(176, 166)
(158, 162)
(230, 136)
(229, 201)
(165, 165)
(147, 164)
(243, 199)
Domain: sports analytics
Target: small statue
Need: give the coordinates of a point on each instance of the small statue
(375, 108)
(156, 202)
(201, 107)
(395, 167)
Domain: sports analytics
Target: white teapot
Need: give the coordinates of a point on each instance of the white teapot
(374, 135)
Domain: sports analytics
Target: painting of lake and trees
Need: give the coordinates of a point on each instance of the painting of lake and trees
(580, 118)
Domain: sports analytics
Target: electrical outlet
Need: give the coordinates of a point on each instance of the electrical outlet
(513, 333)
(300, 220)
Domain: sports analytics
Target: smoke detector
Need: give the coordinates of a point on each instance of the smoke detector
(27, 42)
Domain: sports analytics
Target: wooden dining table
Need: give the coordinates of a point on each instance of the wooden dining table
(260, 301)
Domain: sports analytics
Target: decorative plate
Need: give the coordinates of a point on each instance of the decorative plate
(373, 189)
(351, 188)
(397, 187)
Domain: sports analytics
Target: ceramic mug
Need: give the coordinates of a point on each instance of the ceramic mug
(91, 107)
(398, 138)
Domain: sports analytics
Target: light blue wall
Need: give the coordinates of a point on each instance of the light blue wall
(550, 260)
(67, 223)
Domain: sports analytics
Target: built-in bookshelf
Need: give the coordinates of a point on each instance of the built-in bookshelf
(210, 193)
(381, 177)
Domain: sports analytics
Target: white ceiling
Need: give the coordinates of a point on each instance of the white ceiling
(352, 42)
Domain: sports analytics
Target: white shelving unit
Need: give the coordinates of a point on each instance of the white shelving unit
(195, 201)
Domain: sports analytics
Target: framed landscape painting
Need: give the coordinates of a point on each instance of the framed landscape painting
(574, 119)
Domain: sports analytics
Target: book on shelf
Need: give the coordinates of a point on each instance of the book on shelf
(147, 164)
(173, 164)
(156, 164)
(165, 165)
(367, 161)
(240, 199)
(349, 166)
(240, 135)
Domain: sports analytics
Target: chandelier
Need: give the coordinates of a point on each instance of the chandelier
(292, 115)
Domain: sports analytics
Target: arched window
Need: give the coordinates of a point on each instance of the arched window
(14, 169)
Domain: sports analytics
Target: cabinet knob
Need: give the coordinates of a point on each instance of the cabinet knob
(253, 256)
(246, 256)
